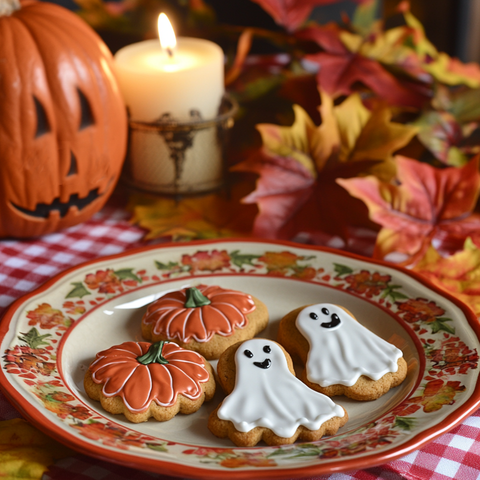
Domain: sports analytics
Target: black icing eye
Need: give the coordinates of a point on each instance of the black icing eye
(325, 311)
(267, 349)
(314, 316)
(248, 353)
(335, 318)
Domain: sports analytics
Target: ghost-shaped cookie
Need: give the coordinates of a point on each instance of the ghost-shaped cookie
(268, 401)
(342, 356)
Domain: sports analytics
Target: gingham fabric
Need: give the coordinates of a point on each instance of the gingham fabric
(24, 265)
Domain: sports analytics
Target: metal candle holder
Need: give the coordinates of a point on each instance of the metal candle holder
(171, 157)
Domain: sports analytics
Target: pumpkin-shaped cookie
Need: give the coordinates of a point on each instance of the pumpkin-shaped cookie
(143, 380)
(206, 319)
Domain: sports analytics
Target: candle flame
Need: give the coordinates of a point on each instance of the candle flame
(168, 40)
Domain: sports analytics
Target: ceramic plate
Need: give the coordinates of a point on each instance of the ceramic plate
(50, 337)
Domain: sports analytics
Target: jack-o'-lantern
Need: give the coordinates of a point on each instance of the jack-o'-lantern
(63, 123)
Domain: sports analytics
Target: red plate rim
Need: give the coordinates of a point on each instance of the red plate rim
(175, 469)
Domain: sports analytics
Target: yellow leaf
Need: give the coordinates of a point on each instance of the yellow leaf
(292, 142)
(325, 140)
(458, 274)
(207, 216)
(351, 40)
(353, 134)
(379, 139)
(351, 118)
(387, 47)
(422, 45)
(25, 452)
(349, 133)
(408, 48)
(440, 65)
(443, 70)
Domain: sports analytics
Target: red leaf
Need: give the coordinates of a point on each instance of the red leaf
(429, 204)
(340, 69)
(326, 36)
(292, 13)
(338, 73)
(283, 187)
(294, 199)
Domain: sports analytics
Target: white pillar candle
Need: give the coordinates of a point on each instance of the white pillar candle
(154, 83)
(180, 81)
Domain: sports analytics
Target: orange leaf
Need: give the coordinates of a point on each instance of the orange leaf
(243, 48)
(428, 204)
(207, 216)
(25, 452)
(458, 274)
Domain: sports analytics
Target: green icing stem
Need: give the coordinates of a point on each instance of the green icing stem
(195, 298)
(154, 355)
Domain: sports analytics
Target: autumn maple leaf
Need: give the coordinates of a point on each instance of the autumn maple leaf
(443, 135)
(458, 274)
(283, 188)
(399, 65)
(340, 69)
(292, 13)
(447, 129)
(408, 48)
(293, 156)
(27, 452)
(428, 204)
(209, 216)
(442, 67)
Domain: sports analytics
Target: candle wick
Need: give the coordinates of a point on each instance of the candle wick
(170, 52)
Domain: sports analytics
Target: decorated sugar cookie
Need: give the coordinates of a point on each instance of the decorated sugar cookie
(206, 319)
(341, 356)
(266, 401)
(143, 380)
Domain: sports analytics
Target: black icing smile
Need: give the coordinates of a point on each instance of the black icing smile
(42, 210)
(335, 320)
(265, 364)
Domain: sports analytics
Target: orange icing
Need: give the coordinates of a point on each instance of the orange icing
(227, 311)
(138, 385)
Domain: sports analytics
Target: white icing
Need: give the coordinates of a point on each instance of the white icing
(340, 355)
(273, 397)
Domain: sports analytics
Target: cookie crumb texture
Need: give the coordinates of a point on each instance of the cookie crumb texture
(340, 356)
(207, 326)
(266, 401)
(143, 380)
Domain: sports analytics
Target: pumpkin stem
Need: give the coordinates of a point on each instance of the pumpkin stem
(7, 7)
(154, 355)
(195, 298)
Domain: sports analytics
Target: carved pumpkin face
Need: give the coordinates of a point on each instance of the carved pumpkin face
(63, 125)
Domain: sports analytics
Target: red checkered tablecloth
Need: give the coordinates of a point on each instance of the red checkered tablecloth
(26, 264)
